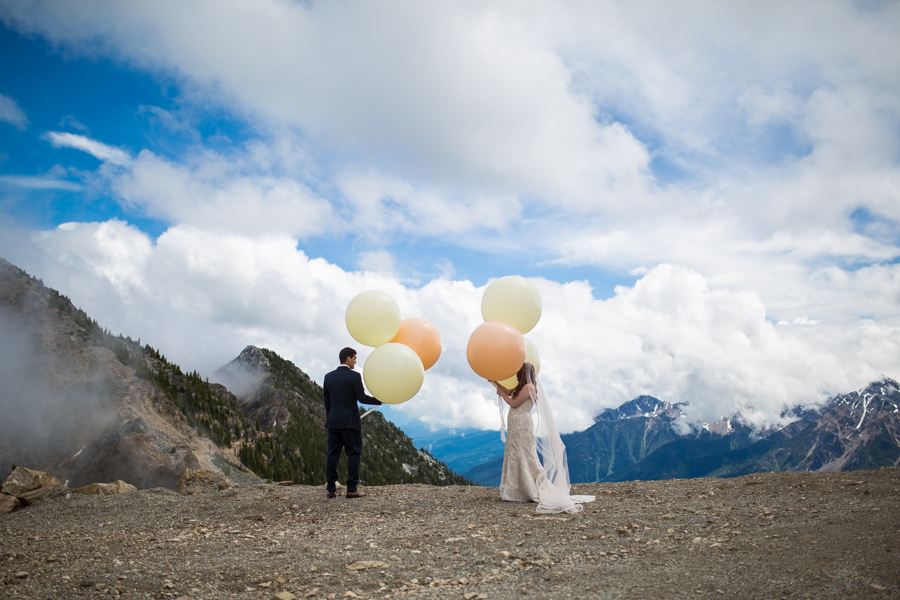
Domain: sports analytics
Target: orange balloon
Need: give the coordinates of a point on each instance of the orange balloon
(496, 350)
(423, 337)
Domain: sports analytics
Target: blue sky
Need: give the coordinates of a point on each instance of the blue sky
(707, 196)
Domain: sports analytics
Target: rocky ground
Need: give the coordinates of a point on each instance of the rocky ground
(768, 535)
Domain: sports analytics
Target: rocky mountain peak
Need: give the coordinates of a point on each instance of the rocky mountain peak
(886, 387)
(722, 426)
(253, 357)
(247, 375)
(869, 404)
(642, 406)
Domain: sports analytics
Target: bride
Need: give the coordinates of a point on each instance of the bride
(524, 479)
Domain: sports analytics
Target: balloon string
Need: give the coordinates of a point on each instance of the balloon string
(367, 412)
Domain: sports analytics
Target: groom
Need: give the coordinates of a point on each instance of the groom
(343, 389)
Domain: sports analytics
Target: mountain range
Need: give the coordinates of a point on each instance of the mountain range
(643, 440)
(89, 406)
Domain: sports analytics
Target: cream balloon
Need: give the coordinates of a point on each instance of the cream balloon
(373, 318)
(513, 300)
(393, 373)
(532, 356)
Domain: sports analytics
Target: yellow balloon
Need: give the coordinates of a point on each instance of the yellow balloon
(532, 356)
(393, 373)
(373, 318)
(513, 300)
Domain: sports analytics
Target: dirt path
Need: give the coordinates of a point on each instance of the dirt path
(773, 535)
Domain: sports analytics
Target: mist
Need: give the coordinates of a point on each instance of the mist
(51, 405)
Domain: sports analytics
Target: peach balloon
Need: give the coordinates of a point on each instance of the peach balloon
(423, 337)
(532, 356)
(496, 350)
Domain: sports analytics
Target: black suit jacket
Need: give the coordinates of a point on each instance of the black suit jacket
(343, 389)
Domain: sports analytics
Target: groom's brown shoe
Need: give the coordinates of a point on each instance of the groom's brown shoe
(332, 494)
(356, 494)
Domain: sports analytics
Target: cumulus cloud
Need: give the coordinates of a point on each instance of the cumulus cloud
(483, 99)
(202, 296)
(381, 206)
(805, 272)
(113, 253)
(430, 108)
(212, 191)
(11, 113)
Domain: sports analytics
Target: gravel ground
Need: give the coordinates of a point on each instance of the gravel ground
(771, 535)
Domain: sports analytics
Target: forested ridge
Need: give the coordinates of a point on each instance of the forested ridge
(299, 446)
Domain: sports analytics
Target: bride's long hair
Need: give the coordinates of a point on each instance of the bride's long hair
(521, 380)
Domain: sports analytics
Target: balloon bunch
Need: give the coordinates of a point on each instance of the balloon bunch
(511, 306)
(404, 350)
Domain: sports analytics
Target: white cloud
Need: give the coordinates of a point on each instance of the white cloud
(96, 149)
(380, 261)
(202, 296)
(112, 253)
(382, 206)
(40, 183)
(423, 109)
(765, 108)
(11, 113)
(462, 95)
(210, 191)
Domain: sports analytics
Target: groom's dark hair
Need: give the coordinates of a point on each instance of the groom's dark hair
(347, 353)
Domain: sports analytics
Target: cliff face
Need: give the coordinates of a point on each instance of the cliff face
(74, 402)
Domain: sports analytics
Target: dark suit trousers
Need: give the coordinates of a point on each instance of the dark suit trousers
(351, 441)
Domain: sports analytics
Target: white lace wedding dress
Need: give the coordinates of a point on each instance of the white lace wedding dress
(522, 469)
(524, 478)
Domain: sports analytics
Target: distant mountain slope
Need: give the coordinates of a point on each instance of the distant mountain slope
(702, 456)
(288, 406)
(488, 472)
(461, 449)
(859, 430)
(619, 438)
